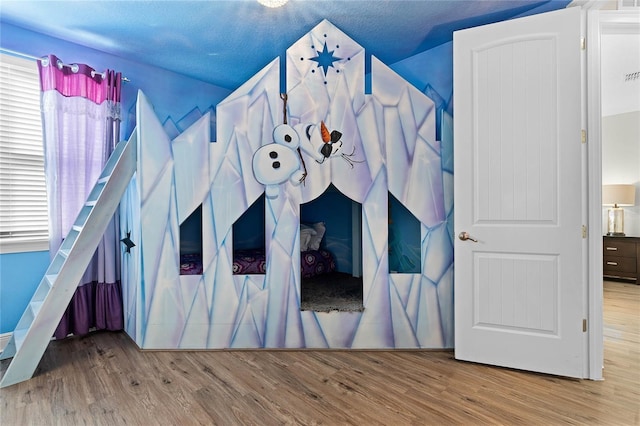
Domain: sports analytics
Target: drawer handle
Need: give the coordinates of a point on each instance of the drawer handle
(612, 248)
(612, 263)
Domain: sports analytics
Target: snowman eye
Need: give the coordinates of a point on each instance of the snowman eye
(285, 135)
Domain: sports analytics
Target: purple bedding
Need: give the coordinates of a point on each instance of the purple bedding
(190, 264)
(252, 261)
(316, 262)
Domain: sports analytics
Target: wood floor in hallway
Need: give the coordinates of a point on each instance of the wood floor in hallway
(104, 379)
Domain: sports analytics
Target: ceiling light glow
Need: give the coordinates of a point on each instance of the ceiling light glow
(273, 3)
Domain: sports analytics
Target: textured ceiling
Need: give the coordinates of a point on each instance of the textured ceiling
(226, 42)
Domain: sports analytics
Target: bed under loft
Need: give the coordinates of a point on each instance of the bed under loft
(249, 254)
(330, 250)
(369, 148)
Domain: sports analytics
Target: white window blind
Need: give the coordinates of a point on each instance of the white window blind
(628, 4)
(23, 197)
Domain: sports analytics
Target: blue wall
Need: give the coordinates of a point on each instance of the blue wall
(20, 274)
(179, 100)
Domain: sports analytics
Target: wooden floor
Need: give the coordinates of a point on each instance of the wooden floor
(105, 379)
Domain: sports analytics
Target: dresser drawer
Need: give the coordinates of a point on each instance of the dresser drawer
(621, 258)
(612, 264)
(611, 247)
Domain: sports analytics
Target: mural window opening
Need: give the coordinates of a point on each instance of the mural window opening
(404, 239)
(249, 255)
(331, 253)
(191, 244)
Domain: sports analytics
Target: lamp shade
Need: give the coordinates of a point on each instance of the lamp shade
(621, 195)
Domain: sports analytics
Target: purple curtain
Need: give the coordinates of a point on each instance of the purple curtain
(81, 125)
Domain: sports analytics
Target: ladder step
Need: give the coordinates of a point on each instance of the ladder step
(104, 179)
(18, 337)
(57, 263)
(35, 307)
(42, 291)
(69, 241)
(51, 279)
(96, 191)
(77, 228)
(26, 319)
(9, 350)
(91, 203)
(82, 217)
(113, 159)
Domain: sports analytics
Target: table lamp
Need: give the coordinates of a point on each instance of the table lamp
(617, 196)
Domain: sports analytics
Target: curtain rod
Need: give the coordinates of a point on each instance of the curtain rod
(25, 56)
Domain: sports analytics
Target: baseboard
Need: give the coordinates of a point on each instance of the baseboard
(4, 339)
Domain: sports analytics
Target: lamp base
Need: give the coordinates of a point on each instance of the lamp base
(616, 234)
(615, 222)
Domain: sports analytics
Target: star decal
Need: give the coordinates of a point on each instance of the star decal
(127, 242)
(325, 59)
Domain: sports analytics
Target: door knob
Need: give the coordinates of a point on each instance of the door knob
(464, 236)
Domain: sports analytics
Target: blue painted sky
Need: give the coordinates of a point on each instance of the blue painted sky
(226, 42)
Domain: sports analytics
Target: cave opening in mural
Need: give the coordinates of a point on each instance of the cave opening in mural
(191, 244)
(404, 239)
(248, 240)
(331, 253)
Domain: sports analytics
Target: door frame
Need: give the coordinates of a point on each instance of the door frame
(599, 22)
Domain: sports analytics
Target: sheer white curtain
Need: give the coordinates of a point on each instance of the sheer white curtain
(81, 115)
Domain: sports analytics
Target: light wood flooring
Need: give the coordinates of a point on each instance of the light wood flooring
(104, 379)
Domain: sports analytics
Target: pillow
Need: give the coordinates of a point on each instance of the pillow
(305, 239)
(306, 233)
(316, 238)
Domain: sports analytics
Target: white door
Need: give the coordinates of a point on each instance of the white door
(520, 290)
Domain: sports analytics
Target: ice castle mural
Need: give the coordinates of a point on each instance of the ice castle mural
(390, 135)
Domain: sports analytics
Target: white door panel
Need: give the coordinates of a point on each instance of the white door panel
(519, 289)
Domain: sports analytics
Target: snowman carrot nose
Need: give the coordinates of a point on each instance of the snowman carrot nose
(326, 136)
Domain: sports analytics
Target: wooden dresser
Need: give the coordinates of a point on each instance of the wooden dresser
(621, 258)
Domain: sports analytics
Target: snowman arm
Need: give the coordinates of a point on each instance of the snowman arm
(297, 177)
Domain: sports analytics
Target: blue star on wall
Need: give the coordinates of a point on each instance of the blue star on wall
(325, 59)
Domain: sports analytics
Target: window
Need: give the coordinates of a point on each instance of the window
(248, 240)
(405, 251)
(23, 196)
(249, 229)
(191, 244)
